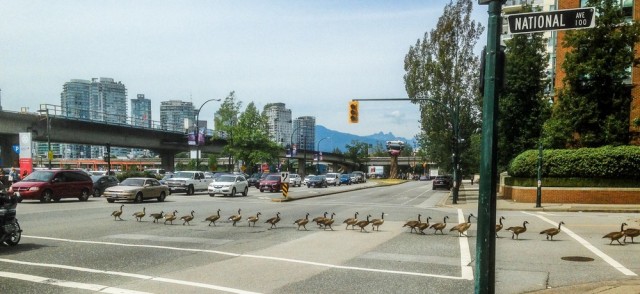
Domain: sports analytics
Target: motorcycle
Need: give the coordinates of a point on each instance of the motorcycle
(10, 231)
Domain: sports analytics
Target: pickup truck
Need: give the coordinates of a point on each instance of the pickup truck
(189, 182)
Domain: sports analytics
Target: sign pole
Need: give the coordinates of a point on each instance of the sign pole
(486, 240)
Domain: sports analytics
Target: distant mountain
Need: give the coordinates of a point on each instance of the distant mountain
(340, 140)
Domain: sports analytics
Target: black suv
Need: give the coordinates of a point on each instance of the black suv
(442, 182)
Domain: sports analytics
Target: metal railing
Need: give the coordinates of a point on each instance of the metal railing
(107, 118)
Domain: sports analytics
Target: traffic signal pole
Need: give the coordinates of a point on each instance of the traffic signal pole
(486, 240)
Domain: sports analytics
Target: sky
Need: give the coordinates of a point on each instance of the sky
(314, 56)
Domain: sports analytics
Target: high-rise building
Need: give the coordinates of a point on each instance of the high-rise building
(306, 127)
(99, 99)
(141, 112)
(279, 121)
(173, 114)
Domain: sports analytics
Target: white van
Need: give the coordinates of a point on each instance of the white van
(333, 179)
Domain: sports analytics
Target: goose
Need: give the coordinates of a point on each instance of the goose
(157, 216)
(377, 222)
(412, 224)
(499, 226)
(351, 221)
(516, 231)
(463, 227)
(318, 220)
(423, 226)
(253, 219)
(364, 223)
(327, 222)
(187, 218)
(117, 213)
(631, 232)
(273, 221)
(615, 236)
(440, 226)
(552, 231)
(170, 217)
(140, 214)
(236, 217)
(302, 222)
(213, 218)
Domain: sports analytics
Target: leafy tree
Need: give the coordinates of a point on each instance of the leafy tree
(443, 67)
(523, 107)
(592, 109)
(225, 120)
(251, 142)
(357, 152)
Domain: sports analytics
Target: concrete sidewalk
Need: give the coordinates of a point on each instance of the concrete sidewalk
(468, 199)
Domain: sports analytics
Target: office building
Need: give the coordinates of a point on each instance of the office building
(306, 127)
(279, 123)
(141, 112)
(173, 114)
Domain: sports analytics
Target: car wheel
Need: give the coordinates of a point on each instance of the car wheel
(15, 236)
(246, 191)
(47, 195)
(110, 200)
(83, 197)
(138, 198)
(433, 187)
(96, 192)
(190, 190)
(233, 191)
(212, 194)
(162, 197)
(261, 191)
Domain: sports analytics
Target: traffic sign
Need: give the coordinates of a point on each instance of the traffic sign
(565, 19)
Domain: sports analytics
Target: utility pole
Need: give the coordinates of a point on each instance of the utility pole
(486, 240)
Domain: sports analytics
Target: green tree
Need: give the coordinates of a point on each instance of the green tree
(443, 67)
(592, 108)
(225, 120)
(251, 142)
(358, 153)
(523, 107)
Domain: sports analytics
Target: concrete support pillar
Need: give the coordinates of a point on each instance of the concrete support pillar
(301, 168)
(167, 160)
(8, 157)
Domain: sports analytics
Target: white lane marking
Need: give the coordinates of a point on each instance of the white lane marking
(419, 195)
(67, 284)
(465, 252)
(100, 287)
(588, 245)
(254, 256)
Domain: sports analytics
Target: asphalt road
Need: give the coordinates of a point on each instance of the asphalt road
(78, 247)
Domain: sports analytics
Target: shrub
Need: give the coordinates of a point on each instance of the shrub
(622, 162)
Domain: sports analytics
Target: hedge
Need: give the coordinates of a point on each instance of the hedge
(621, 162)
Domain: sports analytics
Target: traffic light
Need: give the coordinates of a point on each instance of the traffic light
(353, 112)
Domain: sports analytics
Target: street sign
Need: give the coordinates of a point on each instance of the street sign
(565, 19)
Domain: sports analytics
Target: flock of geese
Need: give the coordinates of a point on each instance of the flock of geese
(324, 222)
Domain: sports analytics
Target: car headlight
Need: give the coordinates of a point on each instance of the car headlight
(34, 189)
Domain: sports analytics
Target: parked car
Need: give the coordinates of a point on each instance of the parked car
(295, 180)
(137, 190)
(271, 183)
(47, 185)
(100, 183)
(306, 179)
(254, 180)
(442, 182)
(345, 179)
(333, 179)
(317, 182)
(229, 185)
(358, 177)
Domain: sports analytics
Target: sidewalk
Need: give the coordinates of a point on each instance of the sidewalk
(468, 199)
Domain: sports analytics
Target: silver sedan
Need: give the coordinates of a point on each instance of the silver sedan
(137, 189)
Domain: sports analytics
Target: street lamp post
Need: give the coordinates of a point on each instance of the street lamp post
(195, 132)
(318, 164)
(49, 155)
(291, 148)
